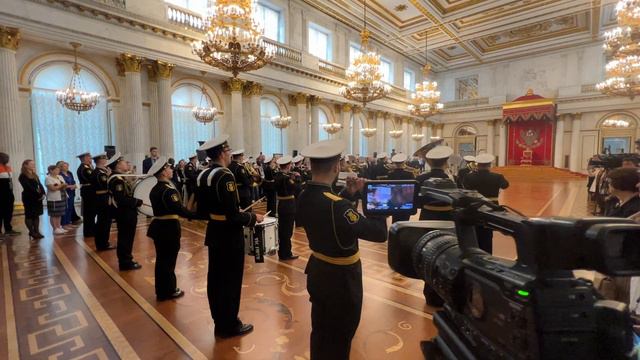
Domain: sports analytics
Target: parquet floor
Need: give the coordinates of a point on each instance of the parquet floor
(62, 300)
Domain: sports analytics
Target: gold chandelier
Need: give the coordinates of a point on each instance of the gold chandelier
(281, 122)
(332, 128)
(622, 47)
(233, 41)
(396, 133)
(364, 78)
(73, 97)
(368, 131)
(426, 99)
(203, 112)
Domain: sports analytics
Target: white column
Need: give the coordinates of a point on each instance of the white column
(154, 122)
(300, 137)
(346, 132)
(491, 136)
(121, 121)
(406, 137)
(558, 151)
(355, 136)
(439, 129)
(165, 113)
(11, 134)
(237, 124)
(380, 133)
(576, 153)
(502, 144)
(426, 131)
(132, 103)
(254, 91)
(314, 101)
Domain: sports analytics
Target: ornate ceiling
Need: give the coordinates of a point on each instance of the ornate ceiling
(470, 32)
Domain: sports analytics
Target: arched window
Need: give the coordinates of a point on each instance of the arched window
(467, 131)
(465, 140)
(274, 141)
(322, 119)
(62, 134)
(186, 130)
(617, 132)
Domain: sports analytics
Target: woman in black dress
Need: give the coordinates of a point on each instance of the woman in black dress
(32, 196)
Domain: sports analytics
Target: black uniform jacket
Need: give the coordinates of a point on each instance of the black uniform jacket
(268, 182)
(486, 183)
(122, 194)
(332, 223)
(287, 186)
(166, 201)
(100, 185)
(400, 174)
(218, 197)
(243, 179)
(434, 173)
(85, 172)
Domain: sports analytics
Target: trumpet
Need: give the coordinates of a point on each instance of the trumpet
(255, 176)
(472, 166)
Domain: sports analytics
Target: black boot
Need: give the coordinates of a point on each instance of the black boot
(36, 228)
(29, 223)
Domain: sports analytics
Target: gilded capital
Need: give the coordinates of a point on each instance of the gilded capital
(132, 63)
(9, 38)
(314, 100)
(163, 69)
(347, 108)
(152, 74)
(252, 88)
(356, 109)
(301, 98)
(120, 66)
(235, 84)
(386, 115)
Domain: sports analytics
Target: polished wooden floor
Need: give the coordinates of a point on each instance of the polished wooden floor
(62, 300)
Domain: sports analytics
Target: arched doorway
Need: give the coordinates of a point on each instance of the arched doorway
(465, 140)
(59, 133)
(617, 133)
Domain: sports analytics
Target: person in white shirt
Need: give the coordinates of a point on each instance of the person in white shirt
(56, 198)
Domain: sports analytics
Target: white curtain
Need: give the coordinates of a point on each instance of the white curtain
(62, 134)
(187, 132)
(322, 119)
(364, 145)
(272, 141)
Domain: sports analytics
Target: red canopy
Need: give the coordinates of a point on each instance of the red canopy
(529, 107)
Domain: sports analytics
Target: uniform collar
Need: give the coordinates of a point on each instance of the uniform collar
(315, 183)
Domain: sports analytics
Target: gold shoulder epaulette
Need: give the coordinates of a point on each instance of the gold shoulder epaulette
(331, 196)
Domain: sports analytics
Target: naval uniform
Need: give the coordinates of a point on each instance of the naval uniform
(191, 174)
(433, 209)
(100, 188)
(462, 173)
(165, 231)
(88, 194)
(380, 172)
(287, 186)
(125, 210)
(400, 174)
(218, 200)
(269, 188)
(488, 184)
(334, 271)
(243, 180)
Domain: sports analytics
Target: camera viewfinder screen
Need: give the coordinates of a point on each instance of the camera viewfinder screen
(386, 197)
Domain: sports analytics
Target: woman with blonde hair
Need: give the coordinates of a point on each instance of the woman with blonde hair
(32, 196)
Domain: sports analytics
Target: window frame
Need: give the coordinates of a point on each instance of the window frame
(320, 29)
(412, 80)
(281, 23)
(385, 60)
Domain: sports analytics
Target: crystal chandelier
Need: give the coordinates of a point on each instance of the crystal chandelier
(395, 133)
(368, 131)
(233, 41)
(417, 137)
(364, 78)
(203, 112)
(622, 47)
(281, 122)
(332, 128)
(73, 97)
(426, 99)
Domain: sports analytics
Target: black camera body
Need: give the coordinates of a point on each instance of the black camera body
(531, 308)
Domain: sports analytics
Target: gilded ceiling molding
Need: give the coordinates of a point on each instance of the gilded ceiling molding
(9, 38)
(164, 69)
(131, 63)
(120, 67)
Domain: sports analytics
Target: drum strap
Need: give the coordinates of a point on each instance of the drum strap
(167, 217)
(438, 208)
(290, 197)
(210, 177)
(342, 261)
(218, 217)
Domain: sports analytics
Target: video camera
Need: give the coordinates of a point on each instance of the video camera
(612, 161)
(530, 308)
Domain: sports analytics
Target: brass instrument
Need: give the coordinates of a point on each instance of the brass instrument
(255, 176)
(472, 166)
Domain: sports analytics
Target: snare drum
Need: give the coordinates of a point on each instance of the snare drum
(142, 190)
(262, 239)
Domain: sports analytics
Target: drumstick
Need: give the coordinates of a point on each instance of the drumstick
(254, 204)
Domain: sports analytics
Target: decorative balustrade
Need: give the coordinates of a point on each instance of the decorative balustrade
(590, 88)
(283, 52)
(331, 68)
(184, 17)
(398, 91)
(468, 102)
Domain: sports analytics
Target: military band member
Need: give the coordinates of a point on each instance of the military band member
(218, 200)
(100, 188)
(287, 186)
(125, 211)
(399, 173)
(268, 183)
(437, 160)
(191, 174)
(380, 171)
(300, 168)
(242, 177)
(334, 271)
(488, 184)
(470, 164)
(165, 229)
(88, 195)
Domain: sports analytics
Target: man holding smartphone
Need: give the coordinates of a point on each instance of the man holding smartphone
(334, 272)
